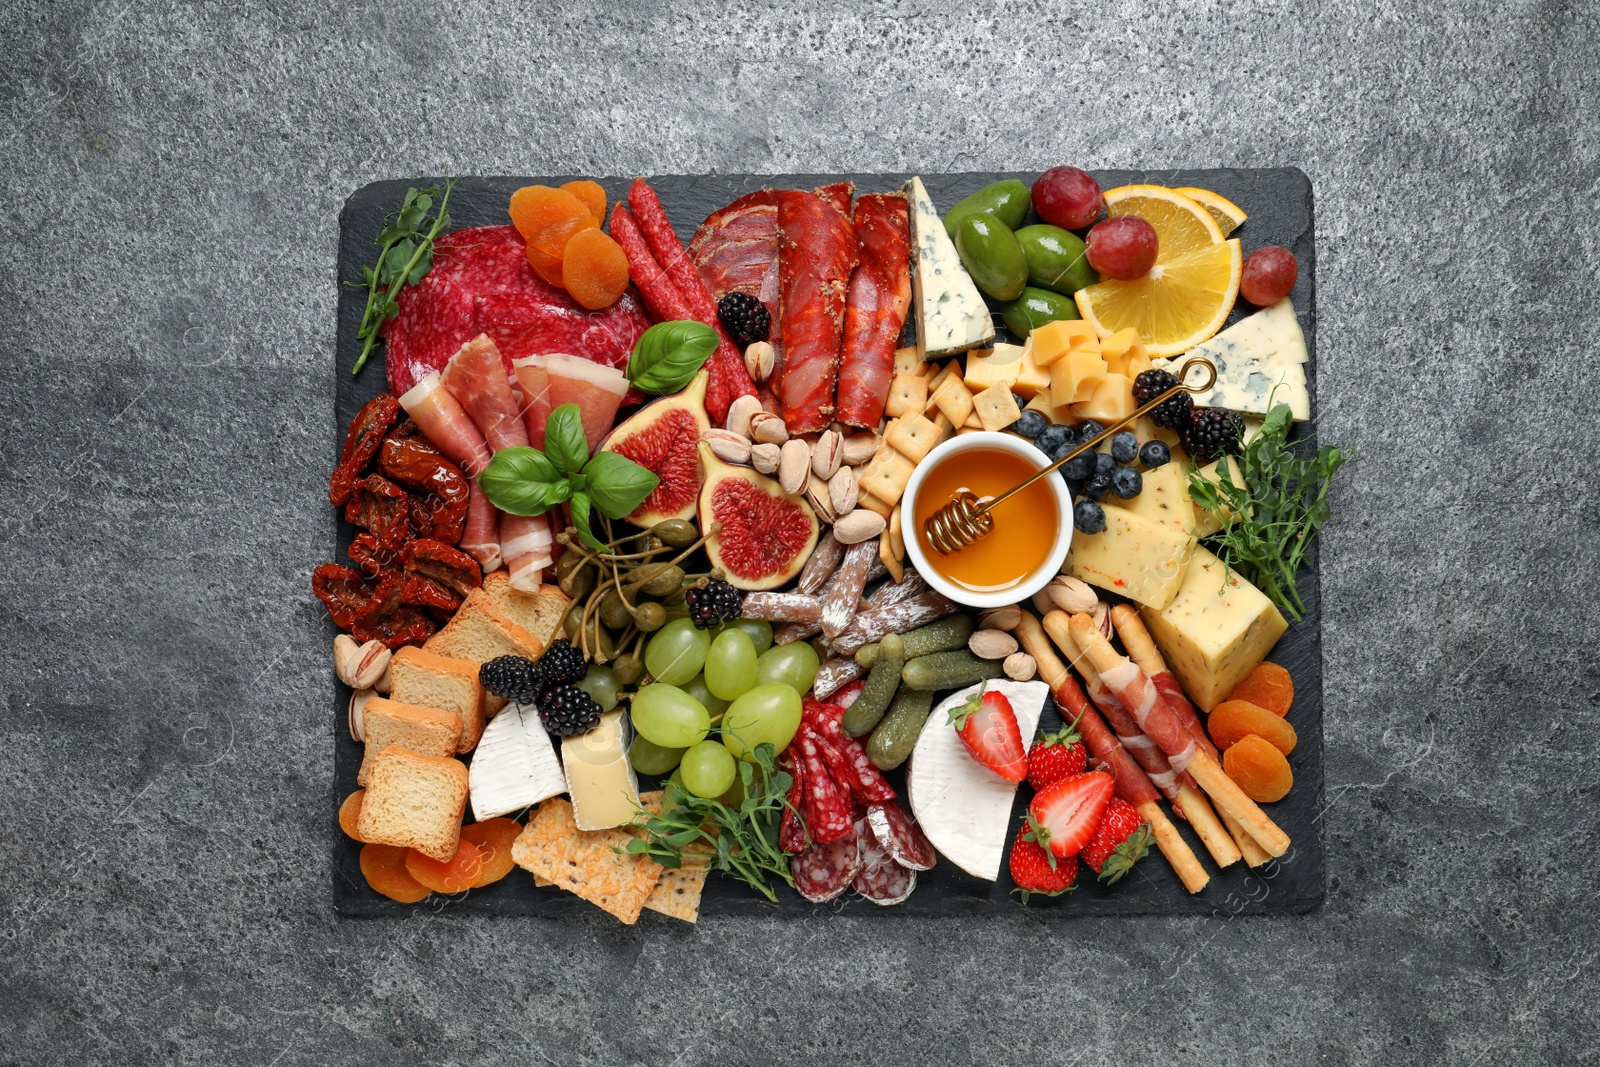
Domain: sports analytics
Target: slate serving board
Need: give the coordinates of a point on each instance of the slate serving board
(1279, 202)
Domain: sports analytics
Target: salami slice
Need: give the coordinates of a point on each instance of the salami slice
(822, 872)
(881, 880)
(894, 827)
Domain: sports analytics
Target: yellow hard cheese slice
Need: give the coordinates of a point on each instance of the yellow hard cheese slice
(1164, 500)
(600, 780)
(1140, 559)
(1215, 631)
(1111, 400)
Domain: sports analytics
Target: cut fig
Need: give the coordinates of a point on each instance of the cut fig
(664, 436)
(767, 534)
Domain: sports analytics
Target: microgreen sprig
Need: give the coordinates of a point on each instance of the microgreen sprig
(405, 255)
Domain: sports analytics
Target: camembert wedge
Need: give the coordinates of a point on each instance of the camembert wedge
(514, 765)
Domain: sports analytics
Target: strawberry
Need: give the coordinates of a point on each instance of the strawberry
(1121, 841)
(988, 727)
(1036, 870)
(1056, 756)
(1068, 813)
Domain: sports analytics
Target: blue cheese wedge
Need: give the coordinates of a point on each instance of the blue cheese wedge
(963, 806)
(600, 780)
(513, 766)
(951, 314)
(1260, 362)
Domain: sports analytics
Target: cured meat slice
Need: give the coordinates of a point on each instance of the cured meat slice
(596, 390)
(481, 537)
(527, 548)
(845, 756)
(827, 806)
(816, 253)
(479, 381)
(736, 251)
(533, 382)
(897, 831)
(791, 830)
(882, 880)
(824, 871)
(876, 306)
(1133, 785)
(446, 423)
(527, 324)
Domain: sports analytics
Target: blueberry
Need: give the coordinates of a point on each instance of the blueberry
(1051, 439)
(1088, 428)
(1103, 463)
(1031, 424)
(1155, 454)
(1079, 467)
(1098, 485)
(1127, 482)
(1088, 517)
(1124, 446)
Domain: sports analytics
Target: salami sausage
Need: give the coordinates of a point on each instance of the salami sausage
(792, 836)
(835, 671)
(894, 827)
(843, 595)
(845, 755)
(827, 803)
(824, 871)
(782, 607)
(894, 592)
(870, 626)
(882, 880)
(823, 562)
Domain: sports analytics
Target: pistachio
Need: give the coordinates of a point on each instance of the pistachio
(728, 446)
(858, 448)
(767, 428)
(358, 719)
(764, 457)
(1071, 595)
(1006, 618)
(1042, 602)
(991, 644)
(360, 666)
(1019, 666)
(842, 491)
(740, 413)
(825, 454)
(759, 359)
(821, 499)
(1102, 619)
(857, 526)
(794, 464)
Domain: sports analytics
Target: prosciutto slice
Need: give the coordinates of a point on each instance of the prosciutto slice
(533, 381)
(816, 253)
(446, 423)
(875, 309)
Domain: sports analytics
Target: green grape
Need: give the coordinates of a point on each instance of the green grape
(731, 664)
(758, 630)
(769, 713)
(677, 652)
(648, 757)
(795, 665)
(708, 769)
(601, 684)
(669, 717)
(696, 687)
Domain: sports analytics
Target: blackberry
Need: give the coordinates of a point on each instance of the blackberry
(746, 318)
(1155, 454)
(567, 711)
(1124, 446)
(1127, 482)
(716, 602)
(512, 678)
(1088, 517)
(1031, 424)
(1212, 432)
(1174, 413)
(563, 664)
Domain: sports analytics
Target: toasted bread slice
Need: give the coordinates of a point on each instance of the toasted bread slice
(414, 801)
(539, 613)
(427, 731)
(479, 632)
(420, 677)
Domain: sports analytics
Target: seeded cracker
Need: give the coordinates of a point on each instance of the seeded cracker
(677, 894)
(585, 862)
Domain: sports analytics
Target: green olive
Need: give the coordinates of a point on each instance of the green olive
(1006, 200)
(1056, 259)
(628, 669)
(679, 533)
(612, 611)
(1034, 308)
(650, 616)
(991, 254)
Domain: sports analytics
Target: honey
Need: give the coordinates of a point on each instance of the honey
(1025, 526)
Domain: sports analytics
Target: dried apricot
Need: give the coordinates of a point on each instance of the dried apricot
(595, 270)
(533, 207)
(455, 875)
(591, 193)
(1257, 767)
(1268, 686)
(493, 838)
(384, 868)
(1233, 719)
(349, 812)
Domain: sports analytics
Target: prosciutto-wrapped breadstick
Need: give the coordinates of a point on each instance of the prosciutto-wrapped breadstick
(1132, 784)
(1139, 695)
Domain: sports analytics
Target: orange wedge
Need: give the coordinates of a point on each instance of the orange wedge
(1227, 215)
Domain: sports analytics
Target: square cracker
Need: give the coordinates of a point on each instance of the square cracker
(585, 863)
(677, 894)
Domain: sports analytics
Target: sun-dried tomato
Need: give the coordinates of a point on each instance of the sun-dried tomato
(440, 491)
(361, 443)
(382, 508)
(345, 592)
(449, 567)
(427, 593)
(388, 618)
(372, 558)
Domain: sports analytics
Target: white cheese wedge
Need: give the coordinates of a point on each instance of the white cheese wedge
(963, 806)
(951, 314)
(513, 766)
(600, 780)
(1260, 361)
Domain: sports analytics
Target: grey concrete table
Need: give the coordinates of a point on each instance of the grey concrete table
(166, 282)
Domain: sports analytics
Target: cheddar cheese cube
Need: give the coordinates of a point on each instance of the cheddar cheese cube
(1111, 400)
(1032, 379)
(1055, 339)
(1075, 376)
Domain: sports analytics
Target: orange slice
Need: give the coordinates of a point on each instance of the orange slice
(1227, 215)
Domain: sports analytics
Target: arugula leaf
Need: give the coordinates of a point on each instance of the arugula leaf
(579, 506)
(405, 255)
(564, 440)
(616, 484)
(669, 354)
(523, 481)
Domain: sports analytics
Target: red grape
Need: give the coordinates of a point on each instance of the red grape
(1268, 275)
(1067, 197)
(1123, 247)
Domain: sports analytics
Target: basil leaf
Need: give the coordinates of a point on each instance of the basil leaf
(523, 481)
(564, 441)
(669, 354)
(579, 505)
(617, 485)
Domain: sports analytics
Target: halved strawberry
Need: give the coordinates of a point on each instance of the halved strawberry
(1056, 756)
(1036, 870)
(988, 727)
(1069, 811)
(1121, 841)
